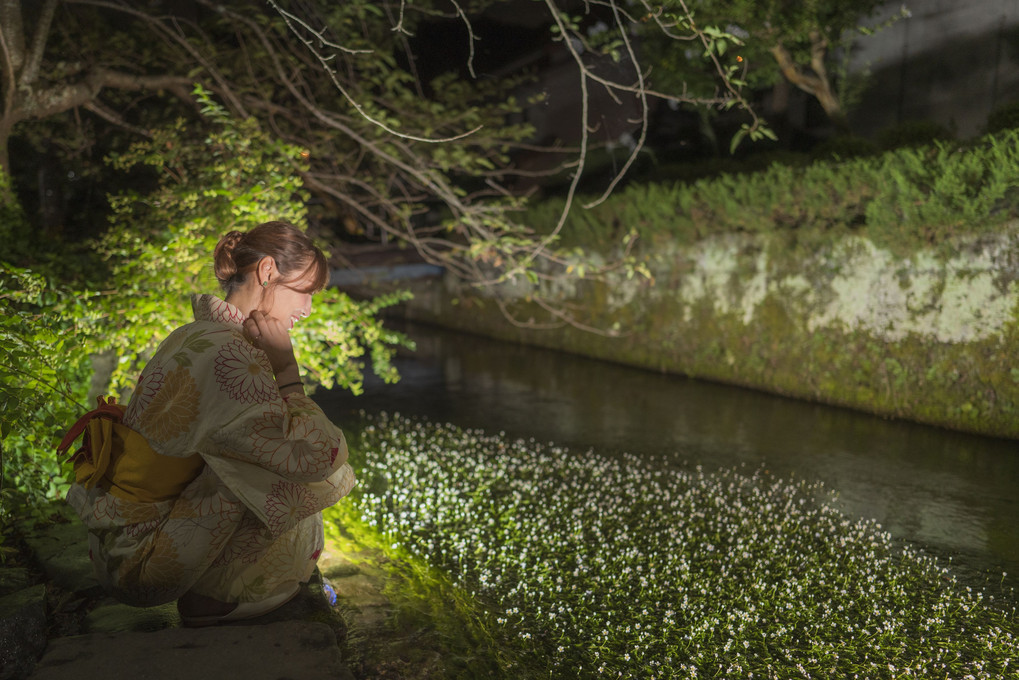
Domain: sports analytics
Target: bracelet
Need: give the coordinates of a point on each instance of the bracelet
(283, 387)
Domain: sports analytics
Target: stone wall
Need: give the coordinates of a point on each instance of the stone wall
(930, 336)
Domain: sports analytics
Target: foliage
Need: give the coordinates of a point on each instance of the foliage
(157, 251)
(42, 366)
(901, 199)
(159, 248)
(590, 566)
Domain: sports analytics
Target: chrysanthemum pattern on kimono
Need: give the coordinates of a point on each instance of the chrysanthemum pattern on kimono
(250, 524)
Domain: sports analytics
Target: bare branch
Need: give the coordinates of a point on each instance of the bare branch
(179, 85)
(807, 82)
(471, 38)
(320, 35)
(399, 24)
(584, 134)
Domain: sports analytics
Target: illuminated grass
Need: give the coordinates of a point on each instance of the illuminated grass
(588, 566)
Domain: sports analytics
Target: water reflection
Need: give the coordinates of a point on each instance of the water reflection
(950, 492)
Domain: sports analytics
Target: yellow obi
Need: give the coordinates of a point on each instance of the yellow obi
(120, 460)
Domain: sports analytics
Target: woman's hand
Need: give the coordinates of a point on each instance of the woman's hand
(272, 337)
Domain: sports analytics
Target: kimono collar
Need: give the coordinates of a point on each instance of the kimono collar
(211, 308)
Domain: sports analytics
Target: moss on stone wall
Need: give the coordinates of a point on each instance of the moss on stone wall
(924, 336)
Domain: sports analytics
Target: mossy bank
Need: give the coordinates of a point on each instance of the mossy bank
(929, 334)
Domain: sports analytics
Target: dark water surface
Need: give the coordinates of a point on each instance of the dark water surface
(953, 494)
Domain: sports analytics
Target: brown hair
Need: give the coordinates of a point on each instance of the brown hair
(237, 254)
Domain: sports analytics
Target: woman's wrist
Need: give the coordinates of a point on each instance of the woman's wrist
(291, 388)
(288, 374)
(289, 380)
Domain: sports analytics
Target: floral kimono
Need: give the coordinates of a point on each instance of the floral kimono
(246, 524)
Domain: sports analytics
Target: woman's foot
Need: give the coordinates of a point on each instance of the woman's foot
(199, 610)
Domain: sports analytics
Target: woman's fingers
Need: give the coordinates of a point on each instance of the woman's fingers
(272, 337)
(251, 328)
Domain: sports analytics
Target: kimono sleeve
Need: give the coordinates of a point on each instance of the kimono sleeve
(288, 436)
(280, 455)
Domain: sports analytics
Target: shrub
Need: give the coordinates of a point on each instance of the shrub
(902, 199)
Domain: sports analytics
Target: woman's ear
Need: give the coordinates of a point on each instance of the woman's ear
(266, 270)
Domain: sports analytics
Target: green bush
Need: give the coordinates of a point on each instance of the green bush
(43, 380)
(902, 199)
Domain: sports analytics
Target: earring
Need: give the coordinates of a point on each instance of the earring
(265, 283)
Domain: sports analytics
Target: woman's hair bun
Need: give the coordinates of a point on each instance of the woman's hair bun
(223, 256)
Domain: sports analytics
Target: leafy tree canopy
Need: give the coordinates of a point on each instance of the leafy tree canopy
(428, 164)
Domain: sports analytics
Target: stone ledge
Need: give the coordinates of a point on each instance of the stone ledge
(286, 649)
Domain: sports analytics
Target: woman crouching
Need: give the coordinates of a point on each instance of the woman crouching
(208, 488)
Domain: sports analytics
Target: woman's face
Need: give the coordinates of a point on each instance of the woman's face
(290, 305)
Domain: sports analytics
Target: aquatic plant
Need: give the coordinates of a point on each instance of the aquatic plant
(591, 566)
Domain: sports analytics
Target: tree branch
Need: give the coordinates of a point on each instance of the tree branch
(54, 100)
(815, 84)
(176, 37)
(12, 30)
(806, 82)
(643, 112)
(818, 51)
(42, 33)
(115, 118)
(9, 79)
(178, 85)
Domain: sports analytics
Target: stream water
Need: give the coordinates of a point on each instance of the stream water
(954, 495)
